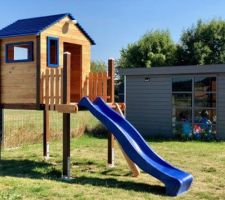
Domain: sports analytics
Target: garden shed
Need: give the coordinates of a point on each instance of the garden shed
(177, 100)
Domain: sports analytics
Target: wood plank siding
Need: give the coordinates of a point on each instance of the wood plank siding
(68, 33)
(149, 104)
(18, 80)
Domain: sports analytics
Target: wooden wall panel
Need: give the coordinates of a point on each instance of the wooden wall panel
(18, 80)
(68, 33)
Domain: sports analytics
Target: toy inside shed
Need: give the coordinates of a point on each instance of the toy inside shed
(45, 65)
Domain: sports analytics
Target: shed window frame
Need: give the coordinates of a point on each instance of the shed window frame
(30, 52)
(194, 107)
(49, 64)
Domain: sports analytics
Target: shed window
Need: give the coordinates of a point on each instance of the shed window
(194, 106)
(53, 52)
(19, 52)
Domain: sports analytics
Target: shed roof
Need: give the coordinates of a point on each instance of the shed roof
(175, 70)
(34, 26)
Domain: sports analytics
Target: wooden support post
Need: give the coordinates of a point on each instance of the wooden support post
(46, 134)
(133, 167)
(66, 116)
(111, 82)
(1, 131)
(66, 145)
(111, 90)
(111, 150)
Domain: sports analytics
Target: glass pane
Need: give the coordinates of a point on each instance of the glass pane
(183, 128)
(182, 99)
(205, 100)
(205, 117)
(205, 84)
(182, 84)
(180, 115)
(53, 52)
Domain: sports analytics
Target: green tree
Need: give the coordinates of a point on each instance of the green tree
(155, 48)
(98, 66)
(203, 43)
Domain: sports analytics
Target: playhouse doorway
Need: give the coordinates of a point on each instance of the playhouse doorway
(76, 70)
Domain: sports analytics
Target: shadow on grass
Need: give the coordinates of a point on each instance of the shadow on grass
(114, 183)
(28, 169)
(43, 170)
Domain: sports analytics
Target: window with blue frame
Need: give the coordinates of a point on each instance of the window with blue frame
(19, 52)
(53, 52)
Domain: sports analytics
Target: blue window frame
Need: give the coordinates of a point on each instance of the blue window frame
(53, 52)
(19, 52)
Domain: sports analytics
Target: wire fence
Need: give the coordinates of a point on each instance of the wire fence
(26, 127)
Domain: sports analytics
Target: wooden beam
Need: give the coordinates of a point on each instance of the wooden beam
(46, 134)
(65, 108)
(22, 106)
(66, 145)
(1, 109)
(1, 131)
(133, 167)
(66, 77)
(111, 150)
(38, 71)
(1, 60)
(111, 82)
(66, 116)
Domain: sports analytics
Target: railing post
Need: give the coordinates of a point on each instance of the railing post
(1, 131)
(111, 89)
(66, 116)
(66, 77)
(111, 82)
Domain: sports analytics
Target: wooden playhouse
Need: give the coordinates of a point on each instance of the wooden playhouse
(45, 65)
(32, 59)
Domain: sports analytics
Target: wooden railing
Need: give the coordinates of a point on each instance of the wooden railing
(51, 88)
(96, 85)
(99, 84)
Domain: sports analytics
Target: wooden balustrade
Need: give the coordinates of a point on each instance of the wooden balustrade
(51, 87)
(97, 84)
(101, 84)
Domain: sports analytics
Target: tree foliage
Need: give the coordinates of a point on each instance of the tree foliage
(98, 66)
(203, 43)
(155, 48)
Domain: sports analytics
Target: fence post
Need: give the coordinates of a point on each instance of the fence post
(46, 134)
(66, 116)
(1, 131)
(111, 89)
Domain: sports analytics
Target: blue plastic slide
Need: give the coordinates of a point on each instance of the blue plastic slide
(133, 144)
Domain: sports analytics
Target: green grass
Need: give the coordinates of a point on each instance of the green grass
(24, 174)
(26, 127)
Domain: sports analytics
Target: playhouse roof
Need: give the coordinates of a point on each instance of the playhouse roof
(34, 26)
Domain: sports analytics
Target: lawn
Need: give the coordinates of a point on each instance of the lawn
(24, 174)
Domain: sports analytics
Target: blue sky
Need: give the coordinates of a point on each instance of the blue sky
(115, 23)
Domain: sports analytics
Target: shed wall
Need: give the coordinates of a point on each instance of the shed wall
(149, 104)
